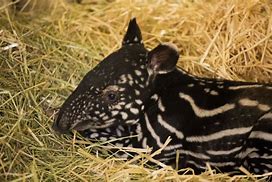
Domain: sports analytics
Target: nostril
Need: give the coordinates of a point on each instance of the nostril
(60, 125)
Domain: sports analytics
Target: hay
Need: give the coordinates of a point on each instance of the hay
(48, 47)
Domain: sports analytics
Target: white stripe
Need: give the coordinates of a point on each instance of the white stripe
(224, 152)
(173, 147)
(218, 135)
(166, 159)
(253, 155)
(186, 152)
(161, 106)
(144, 143)
(222, 164)
(267, 165)
(170, 128)
(264, 107)
(245, 153)
(205, 113)
(171, 154)
(139, 132)
(157, 138)
(267, 116)
(152, 132)
(261, 135)
(195, 164)
(244, 87)
(265, 156)
(196, 155)
(248, 102)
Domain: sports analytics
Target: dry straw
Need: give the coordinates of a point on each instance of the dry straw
(46, 47)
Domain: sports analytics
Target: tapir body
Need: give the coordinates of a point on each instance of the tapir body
(134, 91)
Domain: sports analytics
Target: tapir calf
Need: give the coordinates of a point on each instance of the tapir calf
(134, 91)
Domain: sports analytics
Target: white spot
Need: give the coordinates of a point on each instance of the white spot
(94, 135)
(155, 97)
(114, 113)
(124, 115)
(134, 111)
(139, 102)
(142, 108)
(219, 135)
(118, 132)
(129, 77)
(137, 92)
(136, 39)
(105, 118)
(213, 92)
(138, 73)
(128, 105)
(170, 128)
(190, 85)
(103, 139)
(117, 106)
(131, 82)
(207, 90)
(121, 103)
(97, 112)
(256, 170)
(108, 130)
(203, 112)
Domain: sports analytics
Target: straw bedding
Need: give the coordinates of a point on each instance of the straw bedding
(46, 47)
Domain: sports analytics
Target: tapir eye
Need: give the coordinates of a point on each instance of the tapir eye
(111, 96)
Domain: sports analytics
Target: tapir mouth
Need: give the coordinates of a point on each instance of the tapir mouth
(89, 124)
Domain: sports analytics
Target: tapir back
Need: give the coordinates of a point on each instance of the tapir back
(211, 121)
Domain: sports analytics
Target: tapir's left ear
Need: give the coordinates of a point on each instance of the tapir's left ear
(162, 59)
(133, 35)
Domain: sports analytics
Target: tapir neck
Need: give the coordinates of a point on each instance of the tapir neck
(172, 79)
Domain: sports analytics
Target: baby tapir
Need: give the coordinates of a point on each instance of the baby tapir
(134, 91)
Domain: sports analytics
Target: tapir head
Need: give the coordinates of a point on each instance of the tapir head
(115, 91)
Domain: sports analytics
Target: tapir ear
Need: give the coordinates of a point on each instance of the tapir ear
(163, 59)
(133, 35)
